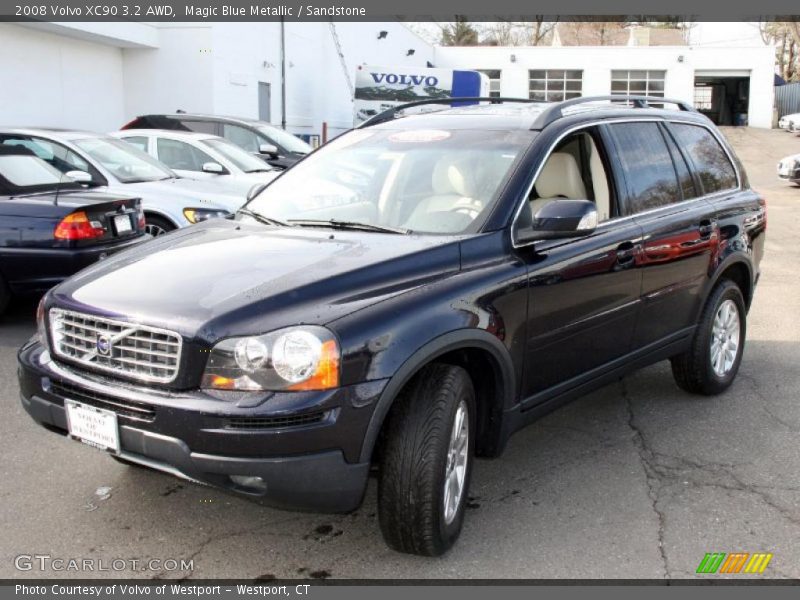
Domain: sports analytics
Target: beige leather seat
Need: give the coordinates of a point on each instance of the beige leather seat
(602, 195)
(560, 178)
(455, 183)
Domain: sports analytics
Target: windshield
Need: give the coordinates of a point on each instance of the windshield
(240, 158)
(285, 139)
(125, 162)
(23, 173)
(426, 181)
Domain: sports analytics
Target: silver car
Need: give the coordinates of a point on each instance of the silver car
(202, 156)
(96, 160)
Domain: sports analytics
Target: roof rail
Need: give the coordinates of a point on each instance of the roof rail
(390, 113)
(555, 110)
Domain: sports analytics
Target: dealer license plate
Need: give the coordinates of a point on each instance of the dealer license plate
(122, 223)
(93, 426)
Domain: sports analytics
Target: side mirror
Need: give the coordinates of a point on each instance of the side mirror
(560, 219)
(212, 167)
(255, 190)
(79, 176)
(268, 149)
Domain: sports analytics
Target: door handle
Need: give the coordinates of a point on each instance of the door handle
(626, 252)
(706, 227)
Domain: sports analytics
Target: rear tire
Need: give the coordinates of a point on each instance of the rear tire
(157, 226)
(427, 461)
(711, 363)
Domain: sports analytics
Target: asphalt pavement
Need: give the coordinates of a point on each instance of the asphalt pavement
(637, 480)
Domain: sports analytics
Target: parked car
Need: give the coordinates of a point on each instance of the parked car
(789, 168)
(202, 156)
(51, 227)
(486, 265)
(277, 147)
(790, 122)
(97, 160)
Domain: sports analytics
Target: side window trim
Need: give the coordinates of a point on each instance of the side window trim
(693, 167)
(673, 145)
(618, 173)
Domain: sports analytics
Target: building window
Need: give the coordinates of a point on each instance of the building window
(638, 83)
(703, 97)
(554, 85)
(494, 81)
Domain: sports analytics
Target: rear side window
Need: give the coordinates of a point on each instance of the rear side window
(712, 164)
(138, 141)
(181, 156)
(647, 166)
(244, 138)
(209, 127)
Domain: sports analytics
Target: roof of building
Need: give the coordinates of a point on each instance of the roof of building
(588, 33)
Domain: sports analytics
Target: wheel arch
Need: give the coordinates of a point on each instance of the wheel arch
(150, 212)
(495, 385)
(739, 270)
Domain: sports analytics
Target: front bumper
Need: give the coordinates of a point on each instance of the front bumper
(304, 446)
(790, 174)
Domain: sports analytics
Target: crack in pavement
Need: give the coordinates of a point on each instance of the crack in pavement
(660, 468)
(651, 475)
(765, 403)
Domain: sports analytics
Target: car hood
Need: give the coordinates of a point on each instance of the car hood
(223, 278)
(187, 193)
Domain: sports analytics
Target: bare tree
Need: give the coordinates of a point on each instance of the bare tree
(593, 33)
(786, 37)
(536, 32)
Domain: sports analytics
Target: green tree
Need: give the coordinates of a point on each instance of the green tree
(459, 33)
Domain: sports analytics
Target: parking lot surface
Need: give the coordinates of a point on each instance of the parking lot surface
(637, 480)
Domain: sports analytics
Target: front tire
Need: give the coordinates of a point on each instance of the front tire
(712, 362)
(427, 461)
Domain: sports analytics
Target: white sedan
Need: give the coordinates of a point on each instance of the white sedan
(202, 156)
(790, 122)
(789, 168)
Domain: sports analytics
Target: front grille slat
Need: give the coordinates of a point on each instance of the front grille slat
(278, 422)
(128, 349)
(124, 408)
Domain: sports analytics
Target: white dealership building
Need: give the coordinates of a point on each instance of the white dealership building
(98, 76)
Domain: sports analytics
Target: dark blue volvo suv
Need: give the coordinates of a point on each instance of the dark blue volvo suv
(406, 298)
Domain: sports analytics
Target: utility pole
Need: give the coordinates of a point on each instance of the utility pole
(283, 74)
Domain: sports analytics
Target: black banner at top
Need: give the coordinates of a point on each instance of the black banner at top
(382, 10)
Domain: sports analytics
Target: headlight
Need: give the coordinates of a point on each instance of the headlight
(296, 358)
(41, 329)
(195, 215)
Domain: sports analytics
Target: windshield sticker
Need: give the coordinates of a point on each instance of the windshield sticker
(420, 135)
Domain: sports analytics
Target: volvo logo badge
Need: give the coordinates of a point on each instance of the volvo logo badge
(103, 345)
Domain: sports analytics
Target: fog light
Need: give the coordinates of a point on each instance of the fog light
(249, 482)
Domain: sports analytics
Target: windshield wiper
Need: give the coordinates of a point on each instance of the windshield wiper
(261, 218)
(336, 224)
(264, 170)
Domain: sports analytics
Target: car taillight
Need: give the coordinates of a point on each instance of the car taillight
(78, 226)
(142, 222)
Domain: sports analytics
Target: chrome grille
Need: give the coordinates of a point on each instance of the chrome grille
(136, 351)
